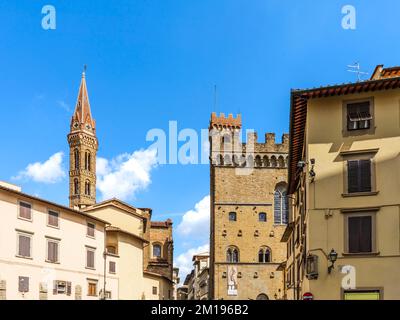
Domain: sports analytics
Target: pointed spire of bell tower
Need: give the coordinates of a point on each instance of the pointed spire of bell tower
(82, 118)
(83, 150)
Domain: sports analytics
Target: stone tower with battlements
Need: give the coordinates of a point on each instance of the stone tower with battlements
(83, 146)
(249, 212)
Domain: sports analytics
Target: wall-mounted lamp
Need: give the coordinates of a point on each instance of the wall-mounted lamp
(312, 172)
(332, 257)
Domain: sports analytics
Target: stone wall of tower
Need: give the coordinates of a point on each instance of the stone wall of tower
(159, 232)
(83, 143)
(244, 181)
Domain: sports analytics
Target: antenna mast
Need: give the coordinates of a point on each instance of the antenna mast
(355, 68)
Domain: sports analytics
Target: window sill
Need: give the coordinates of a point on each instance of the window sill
(22, 257)
(54, 227)
(25, 219)
(360, 254)
(91, 237)
(90, 268)
(52, 262)
(359, 194)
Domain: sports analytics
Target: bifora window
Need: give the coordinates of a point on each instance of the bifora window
(232, 255)
(264, 255)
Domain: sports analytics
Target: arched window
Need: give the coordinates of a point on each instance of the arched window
(262, 217)
(76, 186)
(156, 250)
(266, 161)
(87, 188)
(232, 255)
(88, 159)
(262, 296)
(273, 161)
(281, 162)
(264, 255)
(258, 161)
(228, 159)
(76, 159)
(281, 211)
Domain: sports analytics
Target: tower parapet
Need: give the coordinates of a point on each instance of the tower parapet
(227, 149)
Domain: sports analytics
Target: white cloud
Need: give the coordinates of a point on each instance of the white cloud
(196, 222)
(64, 105)
(50, 171)
(184, 261)
(126, 174)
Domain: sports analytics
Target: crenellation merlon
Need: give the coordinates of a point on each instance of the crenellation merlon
(221, 121)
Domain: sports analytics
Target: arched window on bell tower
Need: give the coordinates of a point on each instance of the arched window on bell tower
(76, 186)
(76, 159)
(88, 159)
(87, 188)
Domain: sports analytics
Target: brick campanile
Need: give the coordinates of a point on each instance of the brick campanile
(83, 145)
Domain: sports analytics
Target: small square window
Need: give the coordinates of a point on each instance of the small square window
(232, 216)
(52, 251)
(53, 220)
(92, 288)
(25, 211)
(154, 290)
(112, 267)
(90, 229)
(262, 217)
(90, 253)
(358, 116)
(24, 245)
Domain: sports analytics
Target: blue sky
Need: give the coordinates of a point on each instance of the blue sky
(154, 61)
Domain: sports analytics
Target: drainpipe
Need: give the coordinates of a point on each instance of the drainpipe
(105, 261)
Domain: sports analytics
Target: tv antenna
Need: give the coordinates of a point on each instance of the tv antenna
(355, 68)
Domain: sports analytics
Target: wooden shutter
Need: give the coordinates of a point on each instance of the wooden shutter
(360, 234)
(69, 288)
(354, 236)
(25, 210)
(352, 176)
(55, 287)
(365, 175)
(24, 249)
(366, 234)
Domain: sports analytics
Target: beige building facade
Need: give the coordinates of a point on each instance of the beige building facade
(344, 237)
(249, 212)
(109, 250)
(50, 252)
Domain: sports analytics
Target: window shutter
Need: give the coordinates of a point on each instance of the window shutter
(55, 282)
(352, 176)
(354, 234)
(366, 234)
(68, 288)
(365, 175)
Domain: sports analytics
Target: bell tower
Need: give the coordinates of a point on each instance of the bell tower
(83, 146)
